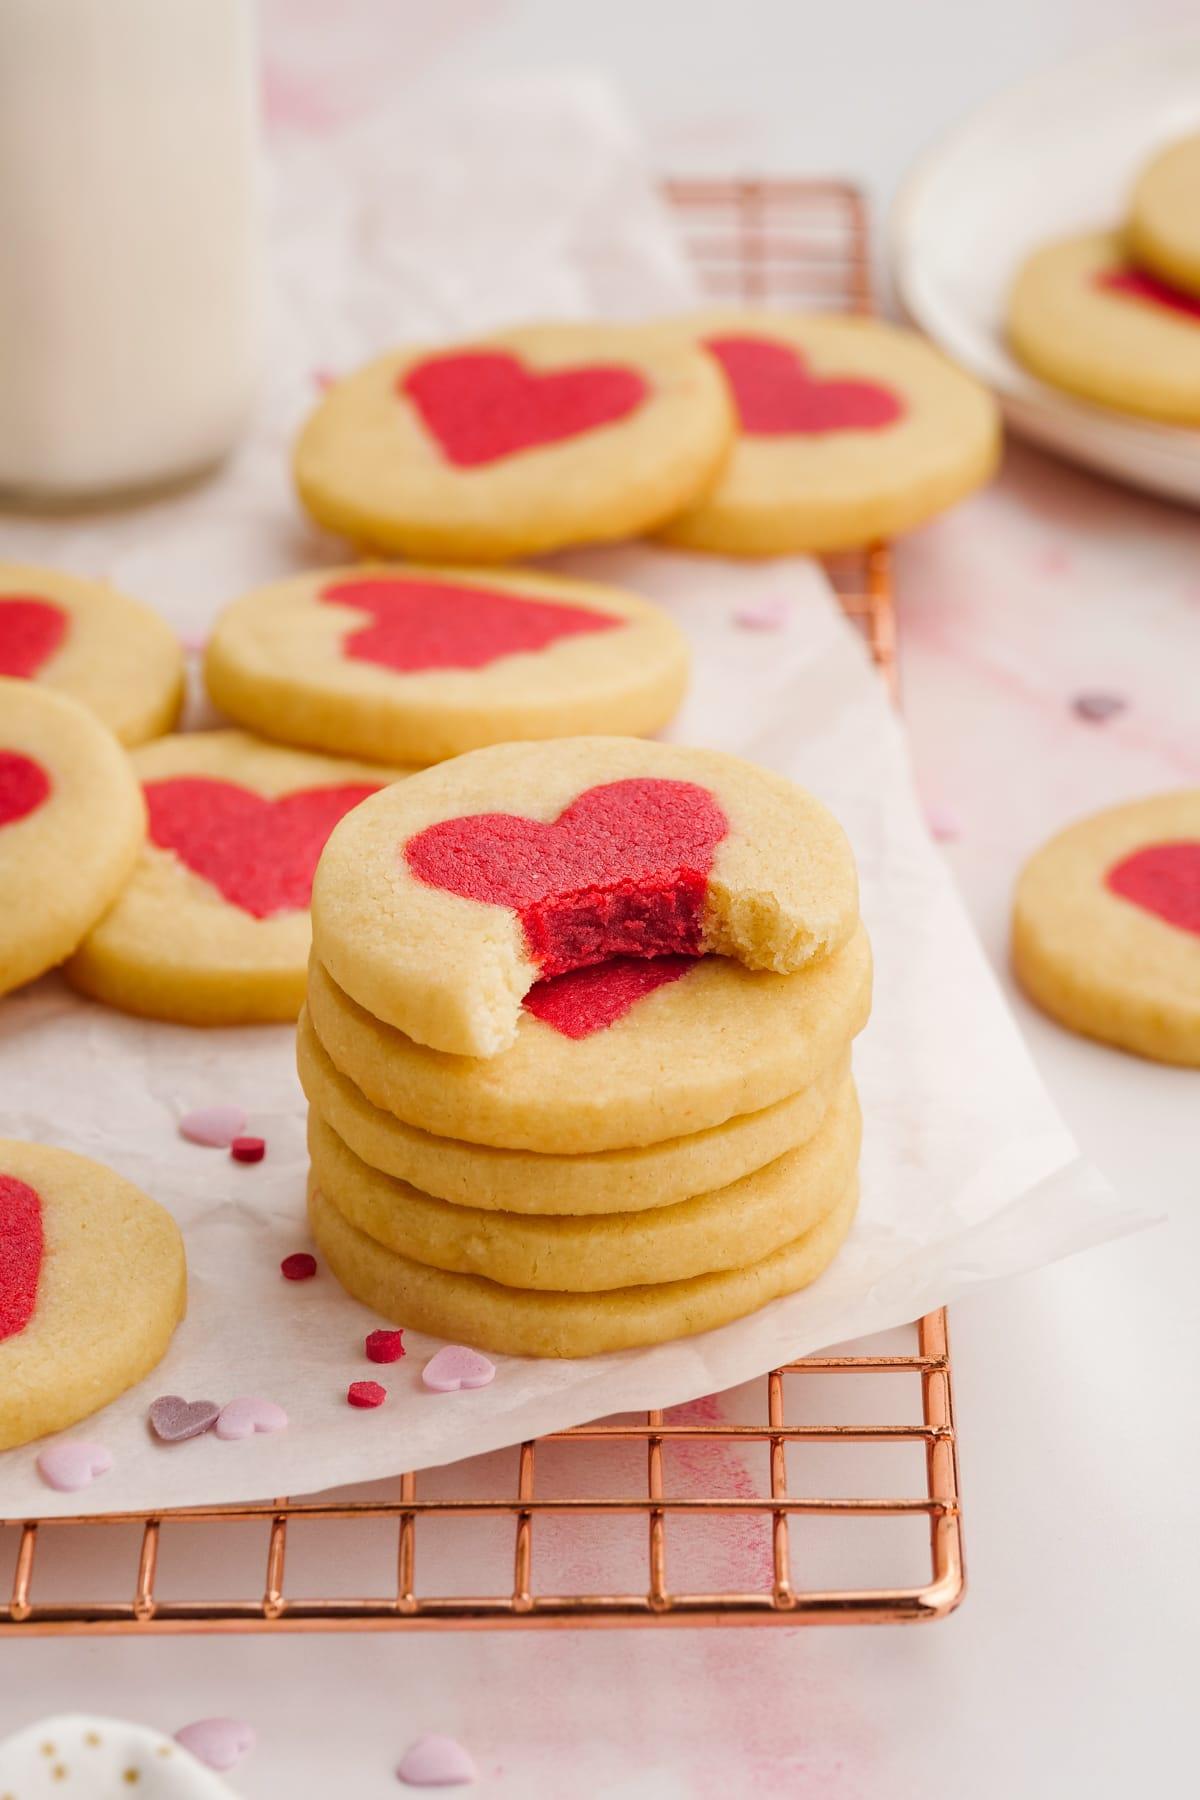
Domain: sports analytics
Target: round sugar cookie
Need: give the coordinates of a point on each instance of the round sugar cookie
(213, 928)
(1106, 927)
(71, 823)
(1082, 317)
(528, 1322)
(1163, 234)
(440, 904)
(521, 443)
(629, 1053)
(413, 665)
(92, 1285)
(849, 431)
(536, 1182)
(86, 640)
(725, 1229)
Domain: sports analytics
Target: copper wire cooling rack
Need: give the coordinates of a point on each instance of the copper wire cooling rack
(792, 1501)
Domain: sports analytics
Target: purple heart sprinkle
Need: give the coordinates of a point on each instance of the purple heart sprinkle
(1096, 708)
(173, 1419)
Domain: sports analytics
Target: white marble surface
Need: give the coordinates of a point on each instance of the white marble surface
(1064, 1673)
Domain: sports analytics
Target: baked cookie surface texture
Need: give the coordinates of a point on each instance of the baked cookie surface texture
(1085, 319)
(213, 928)
(849, 430)
(92, 1285)
(526, 442)
(440, 904)
(1164, 217)
(94, 644)
(413, 665)
(71, 825)
(1106, 927)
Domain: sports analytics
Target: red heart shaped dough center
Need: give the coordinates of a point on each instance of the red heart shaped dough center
(441, 625)
(1139, 284)
(623, 871)
(260, 854)
(22, 1245)
(589, 1000)
(481, 405)
(31, 630)
(777, 396)
(1163, 879)
(24, 785)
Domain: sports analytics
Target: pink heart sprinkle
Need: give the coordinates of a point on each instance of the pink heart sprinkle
(944, 823)
(213, 1125)
(72, 1465)
(174, 1419)
(218, 1743)
(435, 1761)
(243, 1417)
(456, 1367)
(770, 614)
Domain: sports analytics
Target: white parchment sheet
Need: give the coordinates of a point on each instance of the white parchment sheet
(968, 1173)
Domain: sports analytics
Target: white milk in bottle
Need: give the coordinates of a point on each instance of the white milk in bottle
(129, 268)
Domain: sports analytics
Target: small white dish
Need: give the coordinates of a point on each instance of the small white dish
(1055, 155)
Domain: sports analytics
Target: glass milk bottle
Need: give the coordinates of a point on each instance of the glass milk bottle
(129, 272)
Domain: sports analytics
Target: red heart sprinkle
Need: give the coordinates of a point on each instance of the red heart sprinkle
(588, 1000)
(24, 785)
(442, 625)
(1163, 879)
(260, 854)
(31, 630)
(385, 1346)
(777, 397)
(481, 405)
(248, 1149)
(1138, 284)
(622, 871)
(22, 1246)
(299, 1266)
(366, 1393)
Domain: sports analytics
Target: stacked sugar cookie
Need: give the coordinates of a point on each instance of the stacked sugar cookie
(577, 1045)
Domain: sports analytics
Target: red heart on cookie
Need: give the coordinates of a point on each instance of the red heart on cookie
(24, 785)
(481, 405)
(259, 853)
(1139, 284)
(22, 1245)
(622, 871)
(443, 625)
(777, 396)
(588, 1000)
(1163, 879)
(31, 630)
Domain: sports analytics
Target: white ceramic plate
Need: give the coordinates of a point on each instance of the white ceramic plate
(1056, 155)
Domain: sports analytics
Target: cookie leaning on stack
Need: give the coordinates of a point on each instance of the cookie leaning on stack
(576, 1045)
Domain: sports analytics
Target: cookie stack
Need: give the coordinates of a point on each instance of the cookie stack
(1114, 316)
(577, 1045)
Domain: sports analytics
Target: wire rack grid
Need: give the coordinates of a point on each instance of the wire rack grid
(714, 1539)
